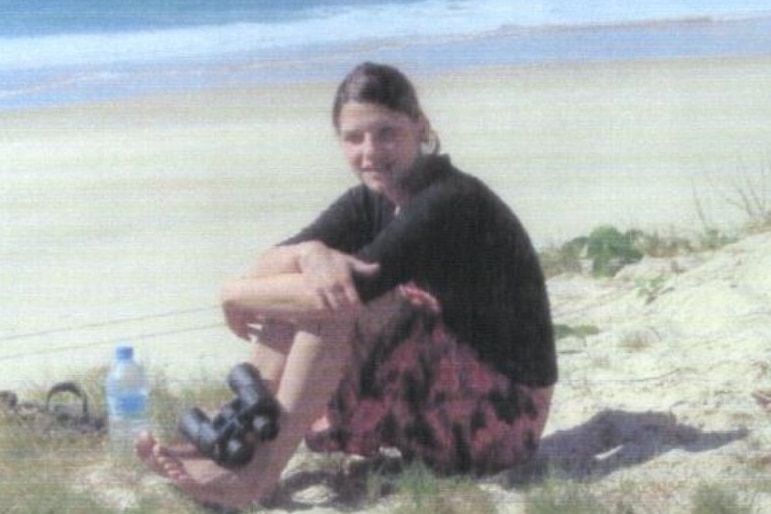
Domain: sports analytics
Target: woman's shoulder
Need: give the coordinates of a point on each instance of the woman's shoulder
(443, 170)
(461, 187)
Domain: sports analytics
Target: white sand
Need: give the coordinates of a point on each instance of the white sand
(139, 209)
(655, 405)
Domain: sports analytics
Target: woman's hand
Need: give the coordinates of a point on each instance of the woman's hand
(330, 274)
(305, 281)
(239, 319)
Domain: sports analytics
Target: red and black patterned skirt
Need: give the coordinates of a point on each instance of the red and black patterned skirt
(414, 387)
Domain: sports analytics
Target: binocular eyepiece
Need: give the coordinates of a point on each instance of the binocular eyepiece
(252, 417)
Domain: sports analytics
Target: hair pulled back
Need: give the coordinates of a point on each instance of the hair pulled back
(382, 85)
(377, 84)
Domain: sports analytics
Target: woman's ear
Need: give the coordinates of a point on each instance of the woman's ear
(425, 129)
(429, 141)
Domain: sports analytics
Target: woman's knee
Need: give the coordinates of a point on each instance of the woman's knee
(275, 334)
(332, 330)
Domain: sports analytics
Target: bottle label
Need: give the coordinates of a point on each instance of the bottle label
(128, 405)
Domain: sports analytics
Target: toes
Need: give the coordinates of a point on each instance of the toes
(144, 445)
(179, 475)
(147, 449)
(183, 451)
(195, 475)
(157, 457)
(171, 466)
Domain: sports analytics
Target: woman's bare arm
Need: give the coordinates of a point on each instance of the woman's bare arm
(305, 281)
(285, 297)
(327, 271)
(282, 259)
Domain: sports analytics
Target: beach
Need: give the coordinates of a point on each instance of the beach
(123, 218)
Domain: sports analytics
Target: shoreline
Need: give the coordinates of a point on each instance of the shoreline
(129, 208)
(55, 82)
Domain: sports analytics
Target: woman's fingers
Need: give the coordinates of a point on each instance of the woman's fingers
(330, 274)
(238, 321)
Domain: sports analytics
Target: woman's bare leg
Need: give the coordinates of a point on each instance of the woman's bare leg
(271, 347)
(313, 367)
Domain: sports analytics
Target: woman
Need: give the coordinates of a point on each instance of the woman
(411, 314)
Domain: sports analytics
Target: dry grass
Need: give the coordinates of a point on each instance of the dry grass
(76, 476)
(67, 472)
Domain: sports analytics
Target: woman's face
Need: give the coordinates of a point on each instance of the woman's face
(380, 145)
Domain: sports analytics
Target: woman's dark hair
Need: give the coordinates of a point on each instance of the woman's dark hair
(378, 84)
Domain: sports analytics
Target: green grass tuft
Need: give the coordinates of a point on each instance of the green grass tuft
(422, 492)
(563, 497)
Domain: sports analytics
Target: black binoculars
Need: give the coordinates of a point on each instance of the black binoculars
(252, 417)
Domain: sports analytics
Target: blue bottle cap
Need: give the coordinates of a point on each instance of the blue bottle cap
(124, 353)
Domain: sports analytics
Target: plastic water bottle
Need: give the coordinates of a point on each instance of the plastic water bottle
(127, 391)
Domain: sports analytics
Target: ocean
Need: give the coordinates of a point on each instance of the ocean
(75, 50)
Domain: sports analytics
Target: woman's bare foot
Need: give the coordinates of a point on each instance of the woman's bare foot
(206, 482)
(311, 372)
